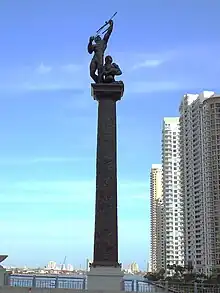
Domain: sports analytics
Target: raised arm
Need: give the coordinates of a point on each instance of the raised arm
(117, 70)
(90, 45)
(109, 31)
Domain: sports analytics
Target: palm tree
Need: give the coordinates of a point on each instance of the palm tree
(161, 273)
(179, 270)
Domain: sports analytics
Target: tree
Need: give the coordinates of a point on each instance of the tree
(155, 276)
(179, 270)
(171, 267)
(160, 274)
(215, 277)
(151, 276)
(190, 266)
(189, 277)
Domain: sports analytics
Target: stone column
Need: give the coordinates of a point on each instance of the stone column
(105, 273)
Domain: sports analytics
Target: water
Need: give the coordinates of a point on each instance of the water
(133, 277)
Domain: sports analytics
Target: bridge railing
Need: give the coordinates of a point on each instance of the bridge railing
(66, 282)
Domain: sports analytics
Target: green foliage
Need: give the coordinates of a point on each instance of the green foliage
(155, 276)
(214, 278)
(189, 277)
(178, 271)
(151, 277)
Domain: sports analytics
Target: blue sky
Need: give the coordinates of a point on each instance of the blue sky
(48, 118)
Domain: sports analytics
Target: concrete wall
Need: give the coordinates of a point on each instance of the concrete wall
(8, 289)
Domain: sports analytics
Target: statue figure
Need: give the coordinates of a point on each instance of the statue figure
(98, 49)
(110, 70)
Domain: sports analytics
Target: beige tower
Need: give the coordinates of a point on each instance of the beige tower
(157, 261)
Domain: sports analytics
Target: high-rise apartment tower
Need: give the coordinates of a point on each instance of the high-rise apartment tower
(173, 225)
(200, 179)
(157, 261)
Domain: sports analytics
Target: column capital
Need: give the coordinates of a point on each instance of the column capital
(104, 91)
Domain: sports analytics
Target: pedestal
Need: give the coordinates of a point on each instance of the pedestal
(105, 278)
(2, 271)
(2, 277)
(105, 273)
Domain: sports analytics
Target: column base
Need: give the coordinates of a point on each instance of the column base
(105, 278)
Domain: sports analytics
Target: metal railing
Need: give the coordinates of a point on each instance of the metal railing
(69, 282)
(80, 283)
(189, 288)
(47, 281)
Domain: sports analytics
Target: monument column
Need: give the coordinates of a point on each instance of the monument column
(105, 272)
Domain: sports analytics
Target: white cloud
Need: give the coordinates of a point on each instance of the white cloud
(50, 86)
(45, 240)
(73, 76)
(51, 192)
(41, 230)
(38, 160)
(153, 86)
(54, 187)
(63, 191)
(57, 229)
(43, 78)
(43, 69)
(58, 232)
(71, 68)
(150, 63)
(130, 61)
(73, 196)
(58, 159)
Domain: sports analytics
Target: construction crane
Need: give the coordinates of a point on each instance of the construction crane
(63, 265)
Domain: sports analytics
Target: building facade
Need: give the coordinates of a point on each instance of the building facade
(157, 261)
(52, 265)
(173, 217)
(211, 158)
(200, 179)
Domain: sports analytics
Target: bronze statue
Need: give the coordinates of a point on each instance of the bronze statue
(98, 48)
(108, 71)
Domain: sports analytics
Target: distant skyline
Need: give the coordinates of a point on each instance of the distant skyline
(48, 117)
